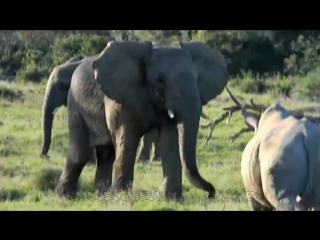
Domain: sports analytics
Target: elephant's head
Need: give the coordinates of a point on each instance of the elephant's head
(177, 80)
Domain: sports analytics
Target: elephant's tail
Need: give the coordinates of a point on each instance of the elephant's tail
(311, 194)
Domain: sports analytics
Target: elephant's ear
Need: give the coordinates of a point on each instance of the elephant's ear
(120, 71)
(213, 75)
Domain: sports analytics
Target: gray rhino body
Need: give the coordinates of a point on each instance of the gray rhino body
(281, 163)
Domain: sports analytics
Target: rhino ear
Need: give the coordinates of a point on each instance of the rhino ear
(251, 119)
(212, 72)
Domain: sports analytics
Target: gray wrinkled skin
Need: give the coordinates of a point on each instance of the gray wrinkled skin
(128, 90)
(56, 95)
(281, 163)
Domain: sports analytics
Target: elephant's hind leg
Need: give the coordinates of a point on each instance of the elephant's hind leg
(146, 146)
(79, 154)
(93, 158)
(105, 159)
(156, 154)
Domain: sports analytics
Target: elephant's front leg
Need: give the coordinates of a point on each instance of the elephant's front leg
(170, 159)
(126, 144)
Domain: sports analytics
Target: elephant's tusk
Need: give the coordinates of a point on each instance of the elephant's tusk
(170, 113)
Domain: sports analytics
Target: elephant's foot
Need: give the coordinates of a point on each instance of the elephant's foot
(68, 183)
(44, 156)
(102, 183)
(122, 181)
(66, 190)
(172, 190)
(101, 188)
(123, 185)
(105, 158)
(122, 176)
(173, 196)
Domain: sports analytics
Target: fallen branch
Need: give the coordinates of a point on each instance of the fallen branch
(244, 107)
(229, 113)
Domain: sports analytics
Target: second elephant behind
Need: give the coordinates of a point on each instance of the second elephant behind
(152, 138)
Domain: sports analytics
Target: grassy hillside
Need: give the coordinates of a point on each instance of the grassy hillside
(26, 185)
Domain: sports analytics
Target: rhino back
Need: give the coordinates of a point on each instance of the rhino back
(283, 159)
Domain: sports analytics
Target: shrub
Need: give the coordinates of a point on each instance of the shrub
(67, 47)
(10, 94)
(47, 178)
(309, 85)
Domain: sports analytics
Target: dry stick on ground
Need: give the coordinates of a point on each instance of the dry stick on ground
(243, 108)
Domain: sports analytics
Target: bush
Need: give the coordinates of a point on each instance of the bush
(32, 74)
(309, 85)
(47, 178)
(247, 83)
(10, 94)
(35, 62)
(277, 85)
(68, 47)
(11, 61)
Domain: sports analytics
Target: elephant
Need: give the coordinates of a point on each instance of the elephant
(128, 90)
(152, 138)
(56, 96)
(281, 163)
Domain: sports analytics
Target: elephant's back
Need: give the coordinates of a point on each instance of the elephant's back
(84, 88)
(89, 100)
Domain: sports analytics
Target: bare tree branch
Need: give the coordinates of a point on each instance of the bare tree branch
(238, 134)
(243, 108)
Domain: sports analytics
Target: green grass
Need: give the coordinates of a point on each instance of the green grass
(27, 181)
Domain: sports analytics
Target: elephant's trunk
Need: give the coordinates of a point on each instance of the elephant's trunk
(188, 133)
(53, 98)
(47, 120)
